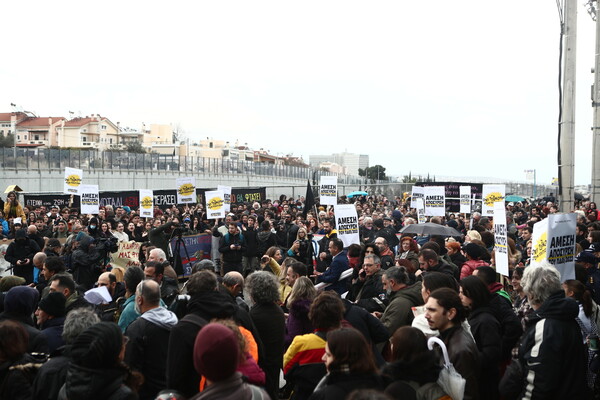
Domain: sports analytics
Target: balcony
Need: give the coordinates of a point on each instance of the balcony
(89, 145)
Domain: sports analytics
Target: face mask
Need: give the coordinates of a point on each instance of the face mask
(92, 226)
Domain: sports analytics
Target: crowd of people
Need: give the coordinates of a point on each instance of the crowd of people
(282, 309)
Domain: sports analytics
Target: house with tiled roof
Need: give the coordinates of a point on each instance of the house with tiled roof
(90, 132)
(38, 131)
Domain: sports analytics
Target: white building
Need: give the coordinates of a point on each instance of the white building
(351, 161)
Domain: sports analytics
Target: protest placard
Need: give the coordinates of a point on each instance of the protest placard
(560, 248)
(127, 255)
(539, 240)
(90, 199)
(186, 190)
(73, 178)
(500, 239)
(420, 205)
(435, 201)
(146, 203)
(328, 190)
(465, 199)
(491, 194)
(346, 221)
(215, 204)
(417, 193)
(226, 196)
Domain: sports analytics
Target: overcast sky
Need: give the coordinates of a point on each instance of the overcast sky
(464, 88)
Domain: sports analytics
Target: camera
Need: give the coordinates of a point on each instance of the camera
(109, 244)
(180, 229)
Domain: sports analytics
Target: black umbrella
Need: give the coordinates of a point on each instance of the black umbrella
(430, 228)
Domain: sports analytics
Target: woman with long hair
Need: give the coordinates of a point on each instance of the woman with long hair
(350, 365)
(299, 302)
(16, 377)
(412, 364)
(12, 208)
(520, 302)
(485, 329)
(586, 319)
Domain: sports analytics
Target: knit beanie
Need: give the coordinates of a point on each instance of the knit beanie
(216, 352)
(53, 304)
(98, 347)
(10, 281)
(21, 300)
(474, 251)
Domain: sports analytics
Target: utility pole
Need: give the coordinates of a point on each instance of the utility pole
(566, 151)
(595, 192)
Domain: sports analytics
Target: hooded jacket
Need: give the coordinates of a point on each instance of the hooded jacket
(552, 352)
(181, 373)
(399, 311)
(19, 250)
(147, 351)
(95, 384)
(85, 263)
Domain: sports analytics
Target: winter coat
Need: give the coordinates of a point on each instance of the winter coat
(470, 266)
(369, 293)
(181, 373)
(297, 322)
(52, 330)
(232, 388)
(403, 379)
(370, 326)
(52, 375)
(95, 384)
(332, 274)
(16, 378)
(486, 332)
(464, 355)
(86, 269)
(552, 352)
(265, 239)
(399, 313)
(21, 250)
(510, 326)
(338, 385)
(229, 255)
(270, 324)
(146, 351)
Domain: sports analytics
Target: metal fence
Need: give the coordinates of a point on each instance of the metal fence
(58, 159)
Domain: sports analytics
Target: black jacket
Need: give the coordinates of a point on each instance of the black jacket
(21, 249)
(369, 293)
(338, 385)
(485, 329)
(232, 255)
(85, 264)
(52, 375)
(552, 352)
(270, 324)
(16, 378)
(265, 240)
(146, 352)
(181, 373)
(95, 384)
(160, 238)
(370, 326)
(510, 325)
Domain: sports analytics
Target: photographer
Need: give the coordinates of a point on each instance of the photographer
(160, 235)
(301, 248)
(232, 246)
(86, 260)
(20, 255)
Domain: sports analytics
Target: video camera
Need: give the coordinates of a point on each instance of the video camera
(110, 244)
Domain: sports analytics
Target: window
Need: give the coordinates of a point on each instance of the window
(36, 137)
(103, 127)
(110, 141)
(84, 139)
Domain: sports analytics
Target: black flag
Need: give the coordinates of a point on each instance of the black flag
(309, 200)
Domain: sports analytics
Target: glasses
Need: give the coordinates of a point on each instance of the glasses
(369, 251)
(102, 284)
(368, 265)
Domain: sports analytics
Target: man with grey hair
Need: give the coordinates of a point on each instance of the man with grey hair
(233, 284)
(159, 255)
(52, 374)
(401, 299)
(148, 335)
(270, 323)
(367, 291)
(552, 351)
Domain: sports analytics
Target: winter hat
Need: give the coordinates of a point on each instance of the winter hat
(127, 209)
(584, 257)
(10, 281)
(594, 247)
(452, 224)
(80, 236)
(98, 346)
(53, 304)
(21, 300)
(216, 352)
(20, 234)
(397, 215)
(474, 251)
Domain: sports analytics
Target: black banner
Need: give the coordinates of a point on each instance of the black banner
(452, 190)
(131, 198)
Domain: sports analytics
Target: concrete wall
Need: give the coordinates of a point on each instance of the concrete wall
(32, 181)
